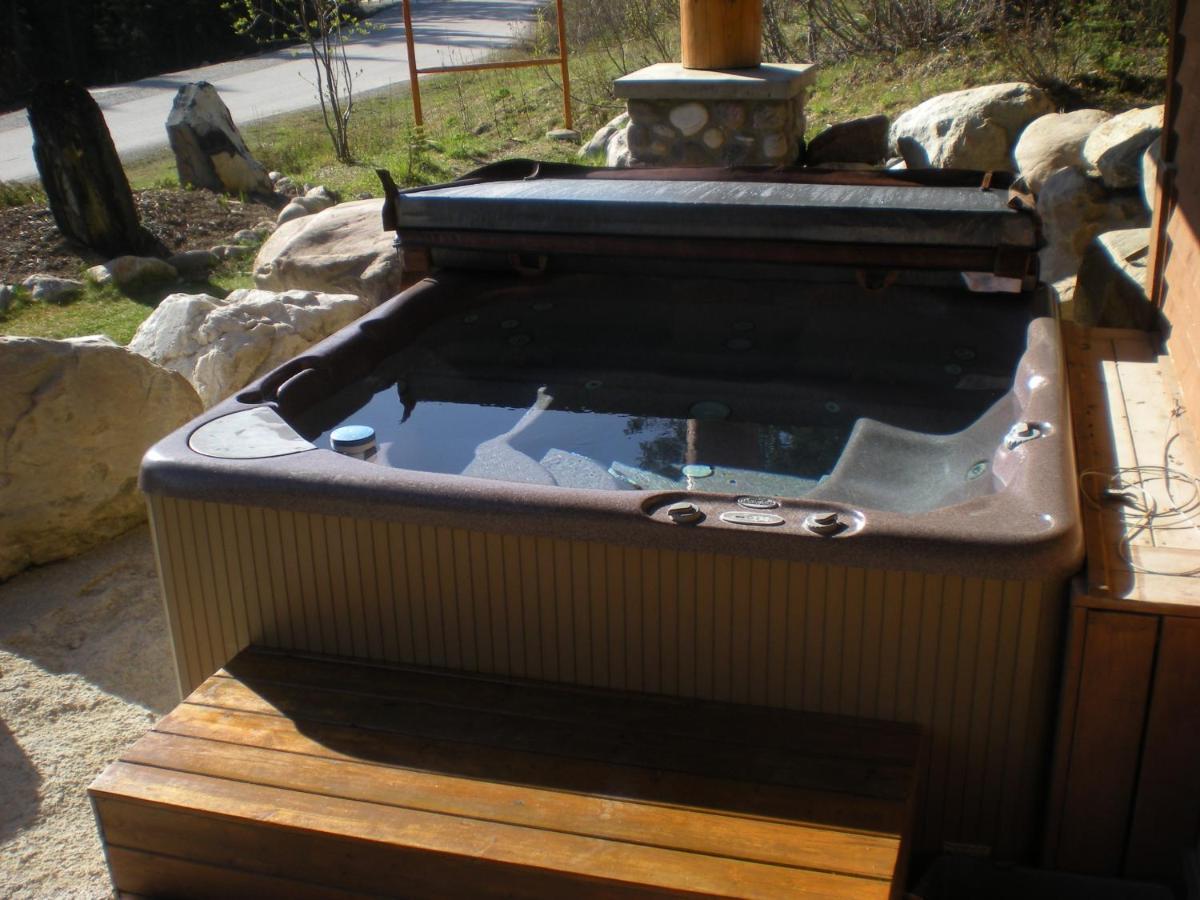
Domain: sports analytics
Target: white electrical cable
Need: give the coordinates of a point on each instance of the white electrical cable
(1127, 486)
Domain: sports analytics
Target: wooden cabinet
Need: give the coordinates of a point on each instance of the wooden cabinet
(1124, 794)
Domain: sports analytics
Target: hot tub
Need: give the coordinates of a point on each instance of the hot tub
(781, 438)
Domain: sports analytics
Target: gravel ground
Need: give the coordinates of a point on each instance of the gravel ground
(85, 669)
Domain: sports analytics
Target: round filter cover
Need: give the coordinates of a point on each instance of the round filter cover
(352, 437)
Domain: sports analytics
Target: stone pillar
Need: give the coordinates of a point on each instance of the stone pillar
(728, 117)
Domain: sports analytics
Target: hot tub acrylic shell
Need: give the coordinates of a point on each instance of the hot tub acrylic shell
(950, 618)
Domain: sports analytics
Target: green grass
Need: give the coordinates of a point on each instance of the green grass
(106, 310)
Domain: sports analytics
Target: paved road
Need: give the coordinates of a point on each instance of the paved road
(448, 32)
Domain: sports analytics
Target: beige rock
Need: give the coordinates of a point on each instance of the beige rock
(52, 289)
(1074, 209)
(1052, 141)
(75, 418)
(970, 129)
(689, 118)
(1113, 152)
(294, 210)
(221, 346)
(136, 272)
(343, 250)
(1151, 172)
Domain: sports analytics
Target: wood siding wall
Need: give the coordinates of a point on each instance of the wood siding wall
(972, 660)
(1179, 204)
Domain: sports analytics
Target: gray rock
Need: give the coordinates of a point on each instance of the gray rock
(1052, 141)
(274, 176)
(231, 251)
(98, 274)
(971, 129)
(209, 150)
(1111, 291)
(133, 272)
(598, 145)
(343, 250)
(862, 140)
(1074, 209)
(294, 210)
(246, 236)
(194, 263)
(618, 155)
(52, 289)
(566, 135)
(287, 187)
(1113, 152)
(1151, 173)
(263, 227)
(221, 346)
(78, 416)
(7, 294)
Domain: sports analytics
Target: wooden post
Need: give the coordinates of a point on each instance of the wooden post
(413, 84)
(566, 75)
(720, 34)
(88, 192)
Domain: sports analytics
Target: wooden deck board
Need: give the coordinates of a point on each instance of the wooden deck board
(1123, 394)
(355, 779)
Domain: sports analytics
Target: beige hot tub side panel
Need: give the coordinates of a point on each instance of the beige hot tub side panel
(971, 659)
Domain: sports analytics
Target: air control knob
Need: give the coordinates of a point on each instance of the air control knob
(825, 524)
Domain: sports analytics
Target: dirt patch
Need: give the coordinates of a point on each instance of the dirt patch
(182, 220)
(85, 669)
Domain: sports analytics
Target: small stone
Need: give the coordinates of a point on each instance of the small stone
(194, 263)
(774, 146)
(689, 118)
(6, 297)
(639, 138)
(641, 112)
(263, 227)
(287, 187)
(274, 176)
(663, 132)
(51, 289)
(713, 138)
(566, 135)
(771, 117)
(730, 115)
(293, 210)
(246, 236)
(98, 274)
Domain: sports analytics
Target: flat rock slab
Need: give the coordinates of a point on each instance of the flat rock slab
(770, 81)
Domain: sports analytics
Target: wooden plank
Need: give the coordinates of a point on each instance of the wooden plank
(847, 812)
(1167, 807)
(885, 780)
(1113, 691)
(446, 849)
(611, 817)
(755, 727)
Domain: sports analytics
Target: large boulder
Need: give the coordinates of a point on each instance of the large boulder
(1113, 152)
(1074, 209)
(862, 140)
(343, 250)
(971, 129)
(598, 145)
(1112, 290)
(1052, 141)
(76, 416)
(223, 345)
(1151, 173)
(209, 150)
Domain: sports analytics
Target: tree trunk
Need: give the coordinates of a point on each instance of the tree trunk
(88, 192)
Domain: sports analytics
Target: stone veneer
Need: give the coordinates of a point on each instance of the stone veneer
(698, 117)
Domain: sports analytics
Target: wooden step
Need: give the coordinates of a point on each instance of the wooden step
(310, 777)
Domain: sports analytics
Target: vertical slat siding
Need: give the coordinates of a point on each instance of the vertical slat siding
(969, 658)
